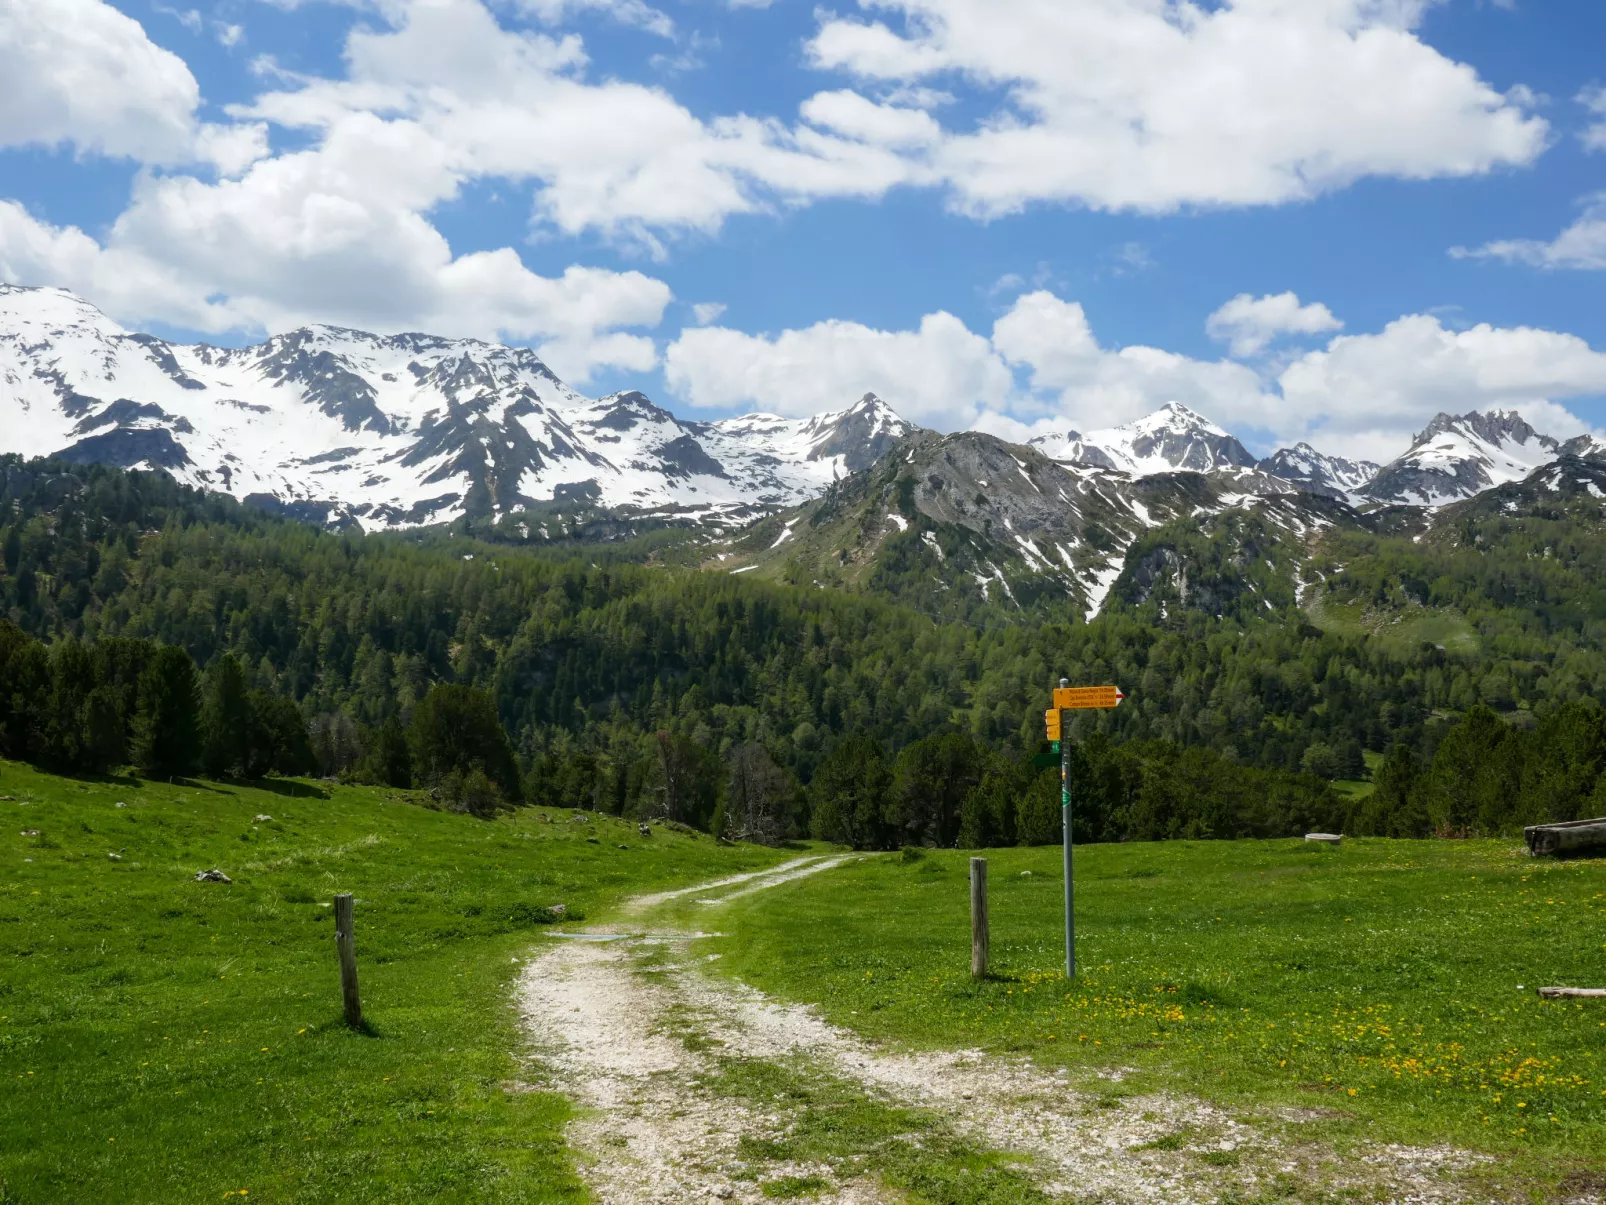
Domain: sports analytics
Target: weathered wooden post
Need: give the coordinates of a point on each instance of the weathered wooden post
(346, 946)
(978, 918)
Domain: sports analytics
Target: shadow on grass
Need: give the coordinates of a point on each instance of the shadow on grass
(291, 787)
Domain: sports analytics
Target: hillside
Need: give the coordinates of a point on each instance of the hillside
(161, 1037)
(588, 657)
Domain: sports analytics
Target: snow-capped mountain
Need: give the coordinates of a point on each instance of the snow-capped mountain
(1317, 472)
(394, 430)
(1457, 456)
(1171, 439)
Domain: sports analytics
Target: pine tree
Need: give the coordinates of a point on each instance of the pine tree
(226, 721)
(167, 740)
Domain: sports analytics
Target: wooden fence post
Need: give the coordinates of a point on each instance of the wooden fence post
(978, 918)
(346, 945)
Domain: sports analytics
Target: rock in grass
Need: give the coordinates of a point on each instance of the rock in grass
(212, 876)
(261, 818)
(644, 829)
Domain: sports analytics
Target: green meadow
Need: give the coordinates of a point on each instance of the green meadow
(163, 1039)
(1389, 984)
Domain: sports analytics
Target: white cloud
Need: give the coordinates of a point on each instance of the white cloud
(338, 231)
(707, 311)
(1251, 324)
(1593, 98)
(1043, 369)
(626, 12)
(1073, 378)
(617, 157)
(1581, 245)
(1138, 104)
(940, 374)
(80, 72)
(1365, 391)
(311, 238)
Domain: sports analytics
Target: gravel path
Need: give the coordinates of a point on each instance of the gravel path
(632, 1029)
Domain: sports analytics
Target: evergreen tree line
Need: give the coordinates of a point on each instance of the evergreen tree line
(642, 689)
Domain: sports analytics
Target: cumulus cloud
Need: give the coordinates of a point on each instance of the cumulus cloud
(1581, 245)
(1073, 378)
(939, 374)
(613, 156)
(80, 72)
(311, 237)
(1130, 104)
(338, 232)
(1364, 390)
(1251, 324)
(1042, 368)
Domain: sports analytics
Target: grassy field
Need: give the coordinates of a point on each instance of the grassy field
(1390, 984)
(1403, 629)
(164, 1040)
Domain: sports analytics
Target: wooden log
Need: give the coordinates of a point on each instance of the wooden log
(1573, 993)
(346, 947)
(1569, 837)
(978, 918)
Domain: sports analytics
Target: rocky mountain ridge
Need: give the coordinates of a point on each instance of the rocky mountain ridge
(401, 430)
(345, 427)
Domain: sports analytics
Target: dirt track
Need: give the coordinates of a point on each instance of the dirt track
(636, 1034)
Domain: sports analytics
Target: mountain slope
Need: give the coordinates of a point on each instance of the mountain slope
(394, 430)
(950, 524)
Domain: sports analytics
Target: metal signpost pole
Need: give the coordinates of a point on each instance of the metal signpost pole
(1065, 818)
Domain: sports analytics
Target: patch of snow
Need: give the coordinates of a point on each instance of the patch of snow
(1099, 591)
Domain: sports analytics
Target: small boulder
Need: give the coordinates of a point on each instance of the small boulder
(30, 832)
(120, 804)
(212, 876)
(644, 829)
(261, 818)
(558, 909)
(115, 857)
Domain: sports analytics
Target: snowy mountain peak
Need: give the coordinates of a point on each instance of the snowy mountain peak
(1173, 418)
(1456, 456)
(1168, 440)
(1304, 466)
(394, 430)
(859, 435)
(22, 306)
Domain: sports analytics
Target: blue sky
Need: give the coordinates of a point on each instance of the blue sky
(1013, 214)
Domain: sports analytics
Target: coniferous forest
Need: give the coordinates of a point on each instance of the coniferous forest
(147, 625)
